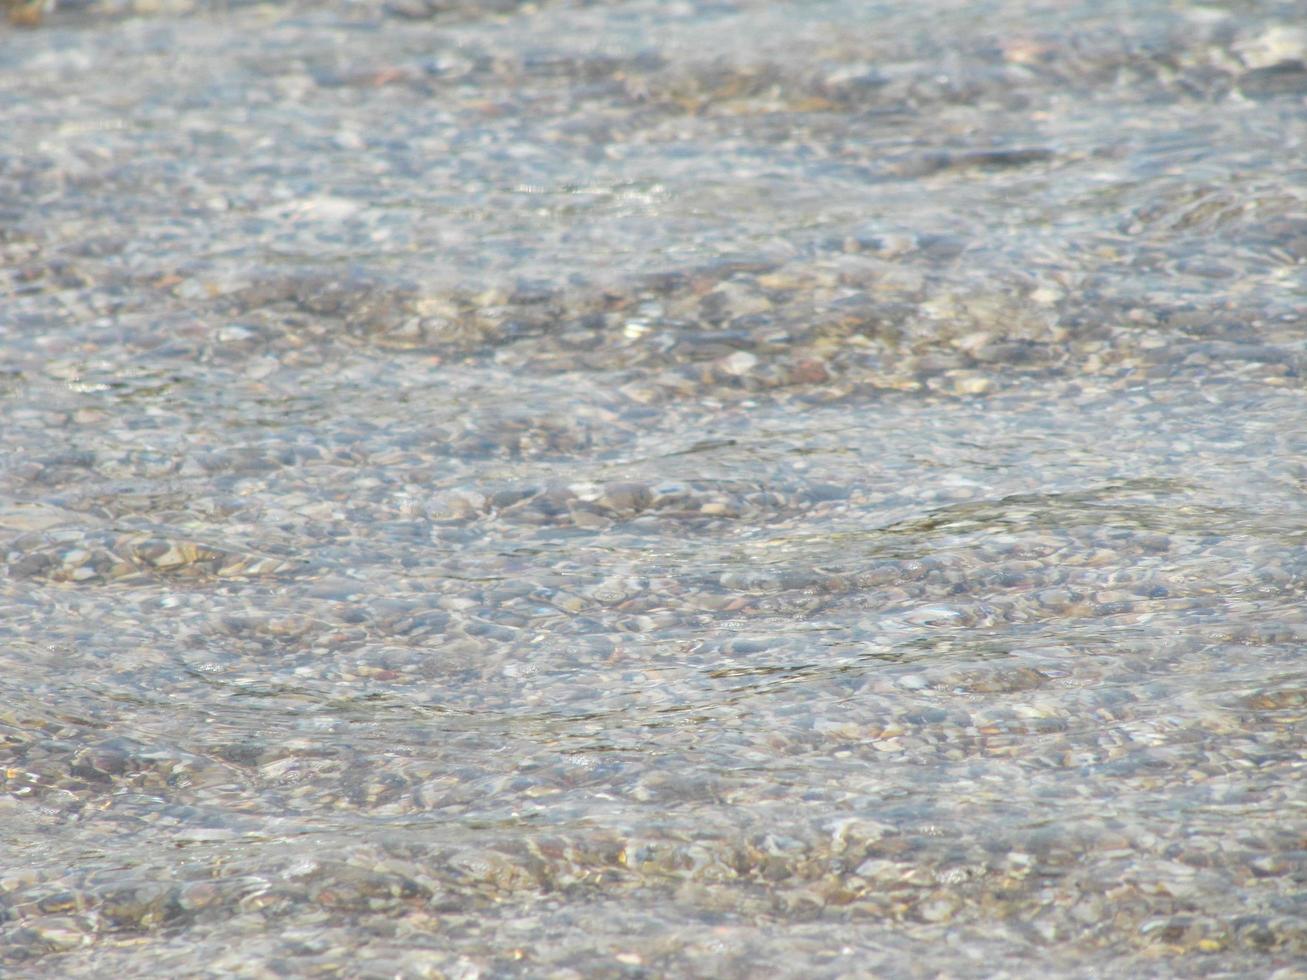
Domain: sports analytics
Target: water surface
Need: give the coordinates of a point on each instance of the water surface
(653, 488)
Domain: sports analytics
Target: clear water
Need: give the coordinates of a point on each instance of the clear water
(702, 489)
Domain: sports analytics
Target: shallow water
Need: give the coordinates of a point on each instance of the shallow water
(701, 489)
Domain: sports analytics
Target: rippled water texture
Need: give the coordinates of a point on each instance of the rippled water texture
(712, 489)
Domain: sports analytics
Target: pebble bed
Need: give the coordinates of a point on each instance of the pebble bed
(709, 488)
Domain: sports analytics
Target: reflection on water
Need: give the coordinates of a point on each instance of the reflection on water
(709, 489)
